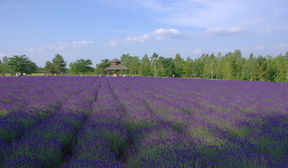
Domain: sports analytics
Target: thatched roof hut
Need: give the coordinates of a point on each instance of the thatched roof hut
(116, 66)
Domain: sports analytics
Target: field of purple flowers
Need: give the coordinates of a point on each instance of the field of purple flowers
(75, 122)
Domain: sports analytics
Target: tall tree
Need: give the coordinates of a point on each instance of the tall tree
(49, 68)
(4, 66)
(249, 70)
(59, 64)
(232, 65)
(188, 68)
(282, 67)
(219, 66)
(198, 68)
(145, 66)
(81, 67)
(154, 63)
(210, 65)
(167, 67)
(261, 68)
(132, 63)
(21, 64)
(179, 65)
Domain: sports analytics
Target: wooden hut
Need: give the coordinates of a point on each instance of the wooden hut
(116, 67)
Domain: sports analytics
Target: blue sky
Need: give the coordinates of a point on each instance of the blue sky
(99, 29)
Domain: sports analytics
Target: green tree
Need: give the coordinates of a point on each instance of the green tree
(145, 66)
(4, 66)
(271, 69)
(21, 64)
(100, 68)
(49, 67)
(286, 66)
(198, 68)
(188, 68)
(179, 66)
(81, 67)
(154, 64)
(41, 70)
(59, 64)
(210, 65)
(232, 65)
(132, 63)
(249, 70)
(282, 68)
(261, 68)
(160, 61)
(218, 66)
(167, 67)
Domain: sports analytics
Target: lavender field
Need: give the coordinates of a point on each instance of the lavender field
(73, 122)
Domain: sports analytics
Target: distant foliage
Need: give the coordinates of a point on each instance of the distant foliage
(230, 66)
(81, 67)
(4, 67)
(57, 66)
(17, 64)
(132, 63)
(145, 68)
(100, 68)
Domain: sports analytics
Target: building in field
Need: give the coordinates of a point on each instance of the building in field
(116, 67)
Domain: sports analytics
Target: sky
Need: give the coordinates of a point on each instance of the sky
(106, 29)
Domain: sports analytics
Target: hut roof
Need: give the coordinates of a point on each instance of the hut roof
(115, 65)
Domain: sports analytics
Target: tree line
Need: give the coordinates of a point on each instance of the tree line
(229, 66)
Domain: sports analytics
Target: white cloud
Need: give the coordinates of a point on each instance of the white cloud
(197, 51)
(63, 45)
(162, 31)
(142, 38)
(224, 31)
(157, 34)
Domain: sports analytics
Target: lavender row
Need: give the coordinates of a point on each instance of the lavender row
(154, 140)
(17, 123)
(48, 142)
(103, 138)
(150, 133)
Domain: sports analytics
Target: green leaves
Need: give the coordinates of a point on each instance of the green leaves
(57, 66)
(100, 68)
(81, 66)
(21, 64)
